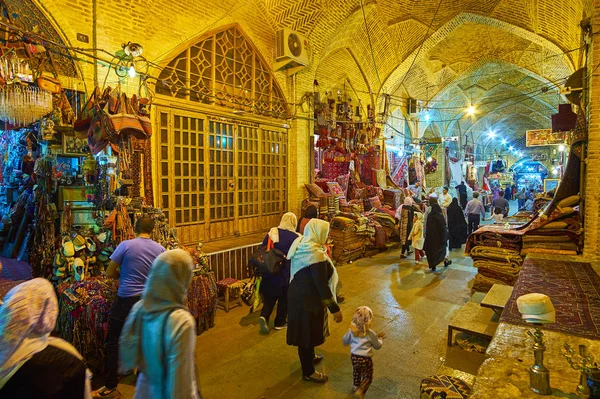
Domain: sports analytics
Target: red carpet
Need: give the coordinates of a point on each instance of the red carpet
(573, 288)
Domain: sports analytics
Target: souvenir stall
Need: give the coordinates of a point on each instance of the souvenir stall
(72, 185)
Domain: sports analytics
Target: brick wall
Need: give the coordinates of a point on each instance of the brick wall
(592, 177)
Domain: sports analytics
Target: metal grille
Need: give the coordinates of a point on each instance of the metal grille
(232, 262)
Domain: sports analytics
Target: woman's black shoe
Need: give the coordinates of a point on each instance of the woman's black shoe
(317, 359)
(447, 263)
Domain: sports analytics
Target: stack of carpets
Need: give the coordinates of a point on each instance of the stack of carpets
(393, 197)
(348, 242)
(551, 244)
(495, 266)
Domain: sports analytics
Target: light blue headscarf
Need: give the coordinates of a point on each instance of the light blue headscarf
(310, 249)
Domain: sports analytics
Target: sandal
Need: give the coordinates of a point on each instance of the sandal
(320, 378)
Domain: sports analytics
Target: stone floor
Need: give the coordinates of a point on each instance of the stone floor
(412, 307)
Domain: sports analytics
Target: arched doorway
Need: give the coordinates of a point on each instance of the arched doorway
(221, 144)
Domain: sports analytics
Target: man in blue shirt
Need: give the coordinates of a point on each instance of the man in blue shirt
(130, 263)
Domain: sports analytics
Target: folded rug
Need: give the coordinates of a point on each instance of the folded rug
(506, 268)
(499, 254)
(495, 275)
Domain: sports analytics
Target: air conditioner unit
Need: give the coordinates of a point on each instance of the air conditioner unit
(291, 49)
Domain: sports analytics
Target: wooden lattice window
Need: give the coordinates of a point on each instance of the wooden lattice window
(224, 69)
(274, 171)
(248, 171)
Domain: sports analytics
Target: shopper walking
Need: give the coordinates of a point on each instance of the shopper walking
(134, 258)
(310, 295)
(501, 203)
(274, 287)
(462, 193)
(34, 365)
(362, 341)
(521, 197)
(310, 213)
(457, 225)
(417, 236)
(473, 210)
(159, 335)
(436, 237)
(405, 216)
(508, 192)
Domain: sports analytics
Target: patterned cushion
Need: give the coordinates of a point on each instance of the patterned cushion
(336, 189)
(314, 190)
(375, 202)
(454, 388)
(226, 282)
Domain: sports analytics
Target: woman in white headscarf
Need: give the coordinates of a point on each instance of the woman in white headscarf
(33, 364)
(159, 335)
(274, 287)
(310, 295)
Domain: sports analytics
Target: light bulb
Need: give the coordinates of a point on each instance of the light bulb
(511, 148)
(427, 116)
(131, 71)
(471, 110)
(429, 159)
(504, 141)
(561, 148)
(491, 134)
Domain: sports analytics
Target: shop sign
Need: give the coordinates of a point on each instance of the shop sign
(539, 157)
(540, 137)
(480, 164)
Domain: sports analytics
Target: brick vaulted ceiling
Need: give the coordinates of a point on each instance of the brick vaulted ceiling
(495, 54)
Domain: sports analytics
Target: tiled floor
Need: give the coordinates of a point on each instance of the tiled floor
(412, 307)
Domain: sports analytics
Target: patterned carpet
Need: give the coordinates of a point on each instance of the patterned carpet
(574, 289)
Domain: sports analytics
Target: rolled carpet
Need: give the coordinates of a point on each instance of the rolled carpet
(493, 274)
(498, 254)
(506, 268)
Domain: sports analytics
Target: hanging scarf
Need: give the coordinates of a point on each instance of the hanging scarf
(361, 321)
(310, 249)
(165, 291)
(288, 222)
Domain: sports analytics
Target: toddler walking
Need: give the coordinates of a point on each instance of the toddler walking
(417, 237)
(362, 341)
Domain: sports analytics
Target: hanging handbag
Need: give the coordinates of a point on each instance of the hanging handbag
(248, 291)
(125, 122)
(267, 260)
(82, 124)
(144, 120)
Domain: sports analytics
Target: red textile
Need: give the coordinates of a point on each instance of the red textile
(331, 170)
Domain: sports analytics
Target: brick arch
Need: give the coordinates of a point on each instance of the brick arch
(394, 78)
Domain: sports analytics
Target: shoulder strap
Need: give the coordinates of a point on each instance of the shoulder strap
(165, 365)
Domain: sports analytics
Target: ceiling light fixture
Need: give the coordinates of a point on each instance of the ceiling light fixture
(471, 110)
(133, 49)
(511, 148)
(491, 134)
(561, 148)
(131, 71)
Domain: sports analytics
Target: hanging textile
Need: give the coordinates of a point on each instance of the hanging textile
(456, 171)
(420, 172)
(201, 300)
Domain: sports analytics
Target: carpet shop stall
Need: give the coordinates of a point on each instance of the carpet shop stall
(352, 186)
(75, 176)
(555, 228)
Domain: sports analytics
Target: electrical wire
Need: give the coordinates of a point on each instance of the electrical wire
(422, 43)
(370, 43)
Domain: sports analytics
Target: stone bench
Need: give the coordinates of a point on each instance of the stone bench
(473, 319)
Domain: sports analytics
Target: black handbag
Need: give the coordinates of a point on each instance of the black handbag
(267, 260)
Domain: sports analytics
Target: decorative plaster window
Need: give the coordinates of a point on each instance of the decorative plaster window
(224, 69)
